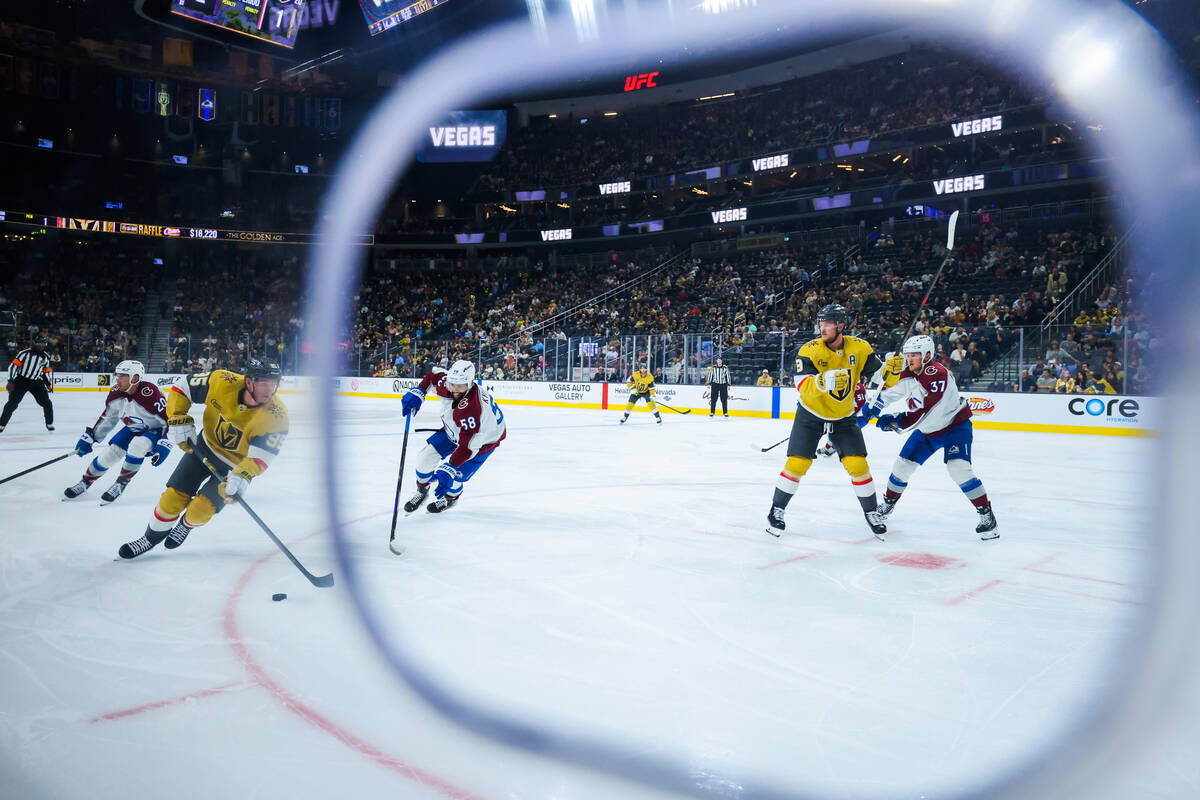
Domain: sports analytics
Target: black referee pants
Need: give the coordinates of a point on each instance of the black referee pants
(36, 388)
(716, 390)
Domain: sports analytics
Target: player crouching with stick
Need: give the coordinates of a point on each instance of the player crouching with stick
(244, 427)
(472, 428)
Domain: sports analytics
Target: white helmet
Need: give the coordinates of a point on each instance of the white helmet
(461, 373)
(920, 344)
(130, 368)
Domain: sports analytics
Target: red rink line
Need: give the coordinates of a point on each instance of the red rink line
(260, 677)
(1037, 567)
(974, 592)
(170, 701)
(790, 560)
(992, 584)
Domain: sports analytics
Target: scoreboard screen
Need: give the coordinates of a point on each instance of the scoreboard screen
(384, 14)
(274, 21)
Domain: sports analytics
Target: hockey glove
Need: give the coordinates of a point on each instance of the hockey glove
(443, 479)
(890, 422)
(894, 363)
(411, 402)
(870, 412)
(835, 382)
(182, 430)
(236, 484)
(162, 449)
(84, 445)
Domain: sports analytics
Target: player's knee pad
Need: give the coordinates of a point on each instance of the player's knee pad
(427, 461)
(200, 510)
(139, 448)
(856, 466)
(797, 466)
(903, 468)
(960, 470)
(172, 502)
(109, 456)
(650, 404)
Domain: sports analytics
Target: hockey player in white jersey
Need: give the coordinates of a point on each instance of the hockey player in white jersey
(472, 428)
(141, 409)
(940, 420)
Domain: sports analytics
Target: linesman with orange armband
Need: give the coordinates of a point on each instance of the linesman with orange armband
(830, 370)
(244, 427)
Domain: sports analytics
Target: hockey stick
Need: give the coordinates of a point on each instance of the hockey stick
(321, 581)
(673, 408)
(772, 447)
(399, 480)
(912, 324)
(39, 466)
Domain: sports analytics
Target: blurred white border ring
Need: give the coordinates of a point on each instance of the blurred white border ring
(1110, 66)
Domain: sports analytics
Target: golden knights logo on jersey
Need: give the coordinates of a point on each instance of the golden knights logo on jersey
(227, 435)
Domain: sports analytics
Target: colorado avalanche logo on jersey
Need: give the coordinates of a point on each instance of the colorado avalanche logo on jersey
(462, 403)
(930, 371)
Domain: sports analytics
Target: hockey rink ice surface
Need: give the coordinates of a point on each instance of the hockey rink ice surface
(605, 579)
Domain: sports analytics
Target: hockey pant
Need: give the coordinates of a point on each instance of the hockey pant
(955, 445)
(134, 446)
(191, 488)
(439, 446)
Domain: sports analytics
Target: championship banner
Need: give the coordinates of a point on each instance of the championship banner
(50, 81)
(142, 91)
(333, 114)
(250, 106)
(270, 110)
(291, 110)
(183, 103)
(206, 103)
(164, 100)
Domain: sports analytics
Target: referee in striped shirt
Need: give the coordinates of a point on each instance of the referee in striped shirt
(30, 372)
(718, 385)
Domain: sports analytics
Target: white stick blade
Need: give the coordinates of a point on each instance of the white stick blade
(950, 232)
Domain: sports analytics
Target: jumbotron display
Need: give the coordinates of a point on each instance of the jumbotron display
(384, 14)
(274, 21)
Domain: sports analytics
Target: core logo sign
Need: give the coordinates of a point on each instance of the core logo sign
(1114, 410)
(642, 81)
(981, 405)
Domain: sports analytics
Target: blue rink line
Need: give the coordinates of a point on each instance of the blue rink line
(62, 449)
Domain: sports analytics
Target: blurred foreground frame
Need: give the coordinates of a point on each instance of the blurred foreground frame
(1106, 62)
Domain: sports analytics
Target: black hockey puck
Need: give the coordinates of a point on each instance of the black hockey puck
(279, 596)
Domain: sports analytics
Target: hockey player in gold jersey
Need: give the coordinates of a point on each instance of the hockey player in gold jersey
(641, 385)
(829, 369)
(244, 427)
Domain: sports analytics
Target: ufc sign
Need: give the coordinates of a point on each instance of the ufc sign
(643, 81)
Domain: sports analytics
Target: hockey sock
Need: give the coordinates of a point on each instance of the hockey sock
(130, 468)
(864, 484)
(962, 473)
(160, 522)
(789, 479)
(94, 471)
(902, 470)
